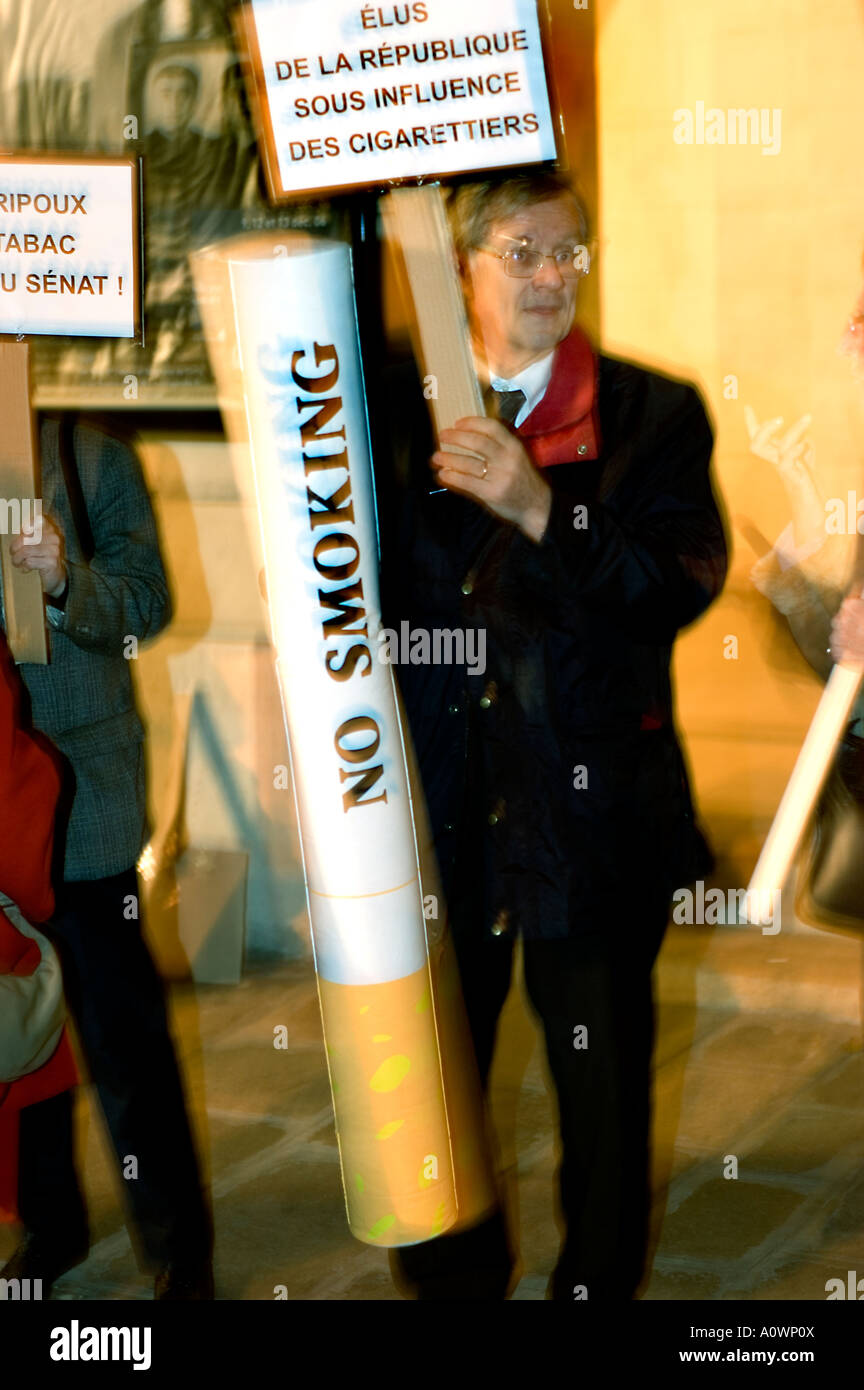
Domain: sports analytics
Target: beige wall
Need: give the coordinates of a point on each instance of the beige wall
(718, 260)
(217, 647)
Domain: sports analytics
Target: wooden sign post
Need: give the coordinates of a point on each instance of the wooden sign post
(22, 590)
(416, 223)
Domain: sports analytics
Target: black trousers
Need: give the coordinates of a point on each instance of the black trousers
(594, 998)
(117, 999)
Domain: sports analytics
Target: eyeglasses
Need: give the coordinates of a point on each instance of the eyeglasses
(522, 262)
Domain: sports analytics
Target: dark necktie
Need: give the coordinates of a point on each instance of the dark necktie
(503, 405)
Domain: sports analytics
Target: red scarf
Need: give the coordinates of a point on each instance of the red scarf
(564, 426)
(29, 787)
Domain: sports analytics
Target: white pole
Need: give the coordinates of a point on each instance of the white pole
(799, 799)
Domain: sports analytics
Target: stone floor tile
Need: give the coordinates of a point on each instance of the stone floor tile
(789, 1043)
(525, 1123)
(803, 1140)
(718, 1104)
(326, 1135)
(296, 1009)
(669, 1161)
(534, 1224)
(842, 1086)
(261, 1080)
(681, 1025)
(840, 1251)
(286, 1228)
(684, 1285)
(530, 1289)
(725, 1220)
(800, 1277)
(374, 1285)
(231, 1142)
(846, 1221)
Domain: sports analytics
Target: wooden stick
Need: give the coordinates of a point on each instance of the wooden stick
(415, 222)
(801, 794)
(22, 592)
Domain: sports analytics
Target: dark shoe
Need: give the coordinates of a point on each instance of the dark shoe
(183, 1283)
(38, 1257)
(473, 1264)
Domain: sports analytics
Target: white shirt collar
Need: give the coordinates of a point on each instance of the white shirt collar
(532, 381)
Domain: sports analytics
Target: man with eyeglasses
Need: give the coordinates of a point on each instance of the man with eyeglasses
(580, 532)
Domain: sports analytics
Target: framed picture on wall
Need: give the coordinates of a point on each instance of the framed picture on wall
(160, 80)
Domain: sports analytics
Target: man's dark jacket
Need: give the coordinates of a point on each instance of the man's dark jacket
(84, 699)
(556, 789)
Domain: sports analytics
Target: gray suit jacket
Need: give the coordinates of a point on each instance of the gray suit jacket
(83, 700)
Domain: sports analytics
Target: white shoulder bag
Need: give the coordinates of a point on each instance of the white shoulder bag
(32, 1007)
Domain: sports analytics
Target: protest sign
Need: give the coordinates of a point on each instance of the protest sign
(349, 96)
(69, 241)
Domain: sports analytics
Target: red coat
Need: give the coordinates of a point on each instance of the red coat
(29, 787)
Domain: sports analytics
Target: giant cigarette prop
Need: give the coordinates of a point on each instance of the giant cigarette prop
(799, 799)
(291, 298)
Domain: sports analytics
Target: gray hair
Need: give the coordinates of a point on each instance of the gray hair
(473, 207)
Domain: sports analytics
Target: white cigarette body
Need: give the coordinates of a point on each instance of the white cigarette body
(294, 328)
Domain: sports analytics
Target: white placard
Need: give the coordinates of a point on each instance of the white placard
(68, 239)
(368, 94)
